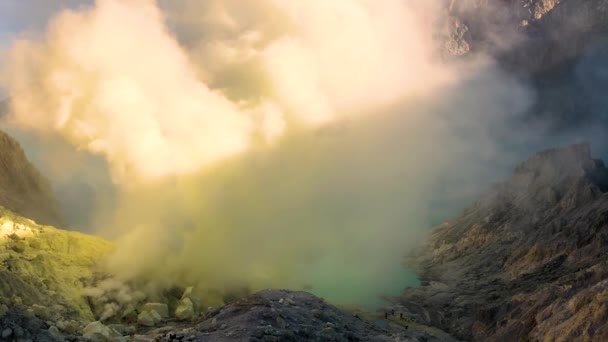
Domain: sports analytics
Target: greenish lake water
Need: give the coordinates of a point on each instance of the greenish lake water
(362, 288)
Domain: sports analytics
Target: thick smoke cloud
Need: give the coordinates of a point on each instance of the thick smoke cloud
(270, 143)
(87, 80)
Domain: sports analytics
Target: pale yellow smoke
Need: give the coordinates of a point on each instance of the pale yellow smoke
(115, 81)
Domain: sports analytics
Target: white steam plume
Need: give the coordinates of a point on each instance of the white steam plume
(113, 80)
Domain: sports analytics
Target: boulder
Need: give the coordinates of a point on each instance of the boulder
(69, 327)
(187, 292)
(55, 333)
(98, 331)
(160, 308)
(123, 329)
(185, 309)
(194, 296)
(18, 331)
(41, 312)
(6, 333)
(148, 318)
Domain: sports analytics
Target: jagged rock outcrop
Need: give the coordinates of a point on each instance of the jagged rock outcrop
(526, 262)
(531, 35)
(23, 189)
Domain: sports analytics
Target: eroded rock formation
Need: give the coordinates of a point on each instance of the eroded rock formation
(528, 261)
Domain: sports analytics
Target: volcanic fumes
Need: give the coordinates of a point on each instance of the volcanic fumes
(266, 144)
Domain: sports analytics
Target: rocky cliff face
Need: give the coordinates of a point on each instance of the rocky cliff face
(526, 262)
(22, 188)
(558, 47)
(530, 35)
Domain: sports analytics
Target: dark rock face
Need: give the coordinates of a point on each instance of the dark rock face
(559, 46)
(15, 326)
(532, 35)
(23, 189)
(527, 261)
(281, 315)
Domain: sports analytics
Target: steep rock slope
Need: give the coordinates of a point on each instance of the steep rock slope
(526, 262)
(43, 270)
(22, 188)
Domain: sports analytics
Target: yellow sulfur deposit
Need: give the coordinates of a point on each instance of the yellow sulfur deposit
(42, 266)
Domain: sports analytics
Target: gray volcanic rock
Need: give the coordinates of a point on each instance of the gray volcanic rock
(526, 262)
(281, 315)
(16, 326)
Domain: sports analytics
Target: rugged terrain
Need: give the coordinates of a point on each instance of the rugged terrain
(270, 315)
(281, 315)
(43, 271)
(528, 261)
(52, 288)
(22, 188)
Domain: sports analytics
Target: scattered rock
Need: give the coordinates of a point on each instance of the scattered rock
(41, 312)
(98, 331)
(18, 331)
(55, 333)
(123, 329)
(185, 309)
(261, 317)
(7, 332)
(160, 308)
(69, 327)
(129, 330)
(61, 324)
(149, 318)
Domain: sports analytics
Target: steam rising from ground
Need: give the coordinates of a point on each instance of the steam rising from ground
(263, 143)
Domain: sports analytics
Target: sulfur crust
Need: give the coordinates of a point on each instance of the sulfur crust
(44, 265)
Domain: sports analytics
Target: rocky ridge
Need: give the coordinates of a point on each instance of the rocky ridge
(23, 189)
(282, 315)
(526, 262)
